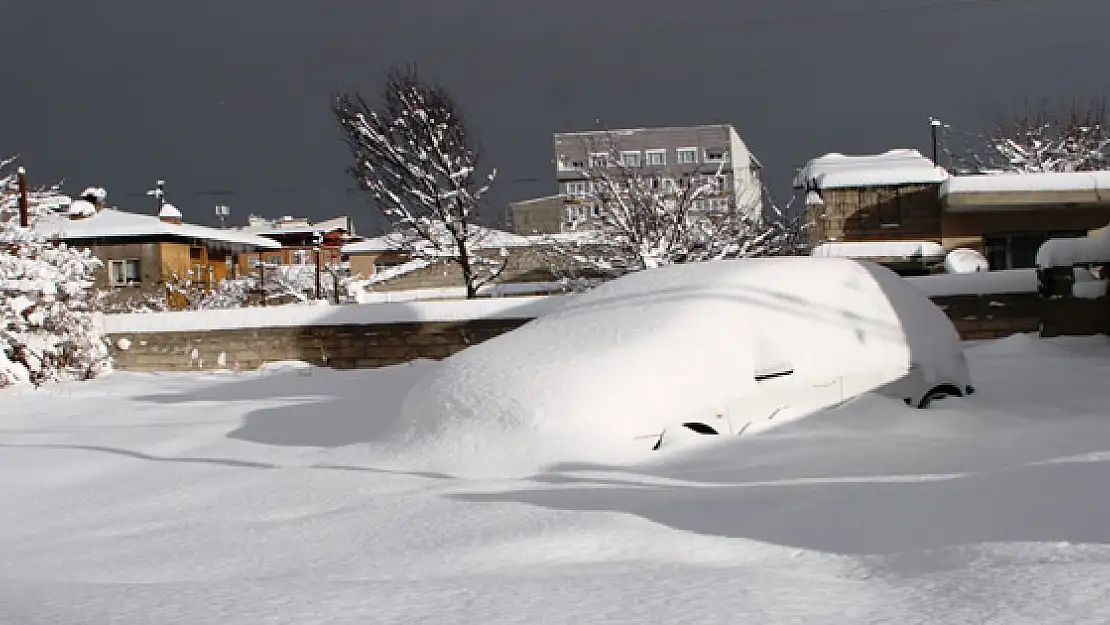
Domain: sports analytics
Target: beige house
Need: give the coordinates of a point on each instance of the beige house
(381, 265)
(147, 252)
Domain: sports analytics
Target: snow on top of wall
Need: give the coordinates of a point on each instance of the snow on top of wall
(329, 315)
(1094, 181)
(116, 223)
(879, 249)
(1067, 252)
(981, 283)
(169, 211)
(894, 167)
(484, 238)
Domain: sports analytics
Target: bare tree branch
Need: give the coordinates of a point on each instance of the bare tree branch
(415, 158)
(639, 219)
(1067, 136)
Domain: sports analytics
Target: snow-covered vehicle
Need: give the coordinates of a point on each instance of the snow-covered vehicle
(726, 347)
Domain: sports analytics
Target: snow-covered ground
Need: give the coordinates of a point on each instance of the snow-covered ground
(281, 497)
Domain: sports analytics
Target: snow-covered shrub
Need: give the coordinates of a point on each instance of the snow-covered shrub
(47, 330)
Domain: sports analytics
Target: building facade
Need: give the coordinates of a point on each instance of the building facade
(714, 154)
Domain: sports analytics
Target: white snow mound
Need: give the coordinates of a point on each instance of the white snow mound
(594, 380)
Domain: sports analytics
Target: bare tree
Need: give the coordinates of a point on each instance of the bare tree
(1064, 137)
(415, 157)
(633, 217)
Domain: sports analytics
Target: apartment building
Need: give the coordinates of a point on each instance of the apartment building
(713, 154)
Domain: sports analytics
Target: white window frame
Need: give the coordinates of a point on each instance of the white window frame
(680, 151)
(717, 204)
(578, 188)
(723, 159)
(123, 262)
(634, 155)
(662, 154)
(599, 159)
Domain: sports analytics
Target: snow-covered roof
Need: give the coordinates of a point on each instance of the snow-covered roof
(1010, 189)
(879, 249)
(290, 225)
(169, 211)
(116, 223)
(894, 167)
(486, 238)
(1068, 252)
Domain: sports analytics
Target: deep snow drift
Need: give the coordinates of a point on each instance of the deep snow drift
(262, 498)
(598, 379)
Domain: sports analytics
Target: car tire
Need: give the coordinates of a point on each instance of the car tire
(940, 392)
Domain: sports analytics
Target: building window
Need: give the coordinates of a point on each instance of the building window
(686, 156)
(123, 272)
(578, 188)
(381, 264)
(599, 159)
(715, 155)
(630, 159)
(273, 259)
(656, 157)
(718, 204)
(575, 213)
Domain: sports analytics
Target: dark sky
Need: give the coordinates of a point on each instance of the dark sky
(228, 100)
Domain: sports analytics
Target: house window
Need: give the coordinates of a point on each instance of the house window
(252, 260)
(595, 211)
(300, 257)
(599, 159)
(715, 155)
(686, 156)
(575, 213)
(273, 259)
(630, 159)
(578, 188)
(656, 157)
(123, 272)
(718, 204)
(382, 264)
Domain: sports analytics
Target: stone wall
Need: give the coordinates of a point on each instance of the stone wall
(336, 346)
(368, 345)
(992, 316)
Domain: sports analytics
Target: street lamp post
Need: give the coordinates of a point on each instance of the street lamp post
(934, 127)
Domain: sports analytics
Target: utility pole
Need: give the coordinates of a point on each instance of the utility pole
(24, 199)
(934, 126)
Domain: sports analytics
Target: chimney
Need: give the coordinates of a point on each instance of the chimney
(169, 214)
(24, 200)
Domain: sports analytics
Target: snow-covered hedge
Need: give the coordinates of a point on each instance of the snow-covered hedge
(47, 331)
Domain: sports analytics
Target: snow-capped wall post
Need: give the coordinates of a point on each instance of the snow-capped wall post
(24, 199)
(415, 157)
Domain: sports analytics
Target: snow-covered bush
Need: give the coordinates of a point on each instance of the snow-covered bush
(47, 332)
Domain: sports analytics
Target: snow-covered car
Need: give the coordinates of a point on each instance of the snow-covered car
(729, 347)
